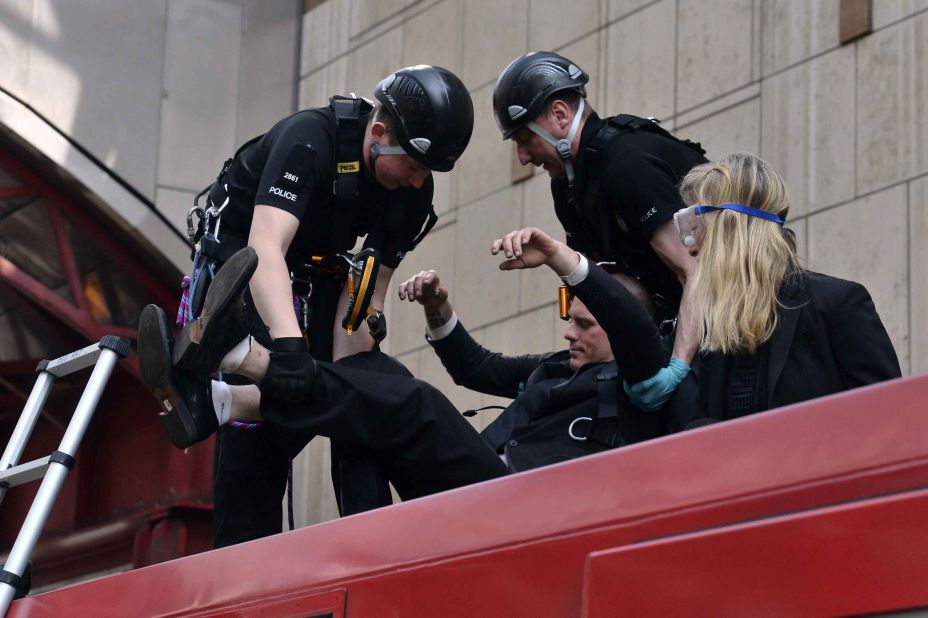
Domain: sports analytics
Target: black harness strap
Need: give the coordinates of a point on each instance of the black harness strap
(612, 128)
(348, 113)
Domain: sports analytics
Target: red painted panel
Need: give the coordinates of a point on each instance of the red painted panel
(517, 546)
(861, 558)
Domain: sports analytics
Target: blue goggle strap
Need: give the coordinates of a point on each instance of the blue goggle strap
(747, 210)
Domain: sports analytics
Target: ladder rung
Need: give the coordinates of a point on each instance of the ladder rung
(75, 361)
(24, 473)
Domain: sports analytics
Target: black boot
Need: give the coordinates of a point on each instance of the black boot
(205, 341)
(187, 414)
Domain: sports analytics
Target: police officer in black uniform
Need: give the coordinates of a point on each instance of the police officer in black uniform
(614, 180)
(299, 194)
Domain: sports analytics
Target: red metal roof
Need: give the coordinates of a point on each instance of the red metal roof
(520, 546)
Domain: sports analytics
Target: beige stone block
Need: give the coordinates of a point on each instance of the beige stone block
(550, 26)
(267, 67)
(866, 241)
(318, 86)
(532, 332)
(639, 63)
(365, 14)
(313, 496)
(716, 105)
(434, 37)
(539, 285)
(892, 91)
(199, 110)
(410, 360)
(886, 12)
(585, 54)
(794, 30)
(484, 167)
(495, 33)
(96, 73)
(325, 34)
(807, 115)
(406, 324)
(484, 293)
(918, 282)
(620, 8)
(714, 51)
(374, 61)
(732, 130)
(443, 196)
(16, 35)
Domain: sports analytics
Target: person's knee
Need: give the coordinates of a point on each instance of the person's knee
(376, 361)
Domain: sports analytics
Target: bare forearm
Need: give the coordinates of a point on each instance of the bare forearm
(686, 337)
(438, 315)
(272, 294)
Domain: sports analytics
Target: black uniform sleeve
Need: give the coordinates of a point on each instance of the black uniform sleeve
(643, 191)
(299, 159)
(862, 349)
(404, 218)
(635, 341)
(473, 366)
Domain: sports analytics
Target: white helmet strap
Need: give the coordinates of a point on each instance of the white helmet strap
(562, 146)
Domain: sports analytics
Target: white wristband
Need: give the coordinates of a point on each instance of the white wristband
(435, 334)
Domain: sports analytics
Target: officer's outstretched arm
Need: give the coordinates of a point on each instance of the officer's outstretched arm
(272, 231)
(360, 340)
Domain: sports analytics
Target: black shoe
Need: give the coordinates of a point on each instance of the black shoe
(221, 325)
(187, 415)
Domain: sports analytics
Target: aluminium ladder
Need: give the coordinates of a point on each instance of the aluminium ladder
(55, 467)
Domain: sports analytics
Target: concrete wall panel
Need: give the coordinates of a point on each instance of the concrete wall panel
(893, 85)
(318, 86)
(201, 85)
(325, 34)
(727, 131)
(640, 62)
(484, 295)
(485, 165)
(492, 38)
(16, 32)
(373, 61)
(853, 242)
(714, 51)
(807, 120)
(553, 24)
(888, 11)
(102, 86)
(918, 274)
(434, 37)
(268, 67)
(795, 30)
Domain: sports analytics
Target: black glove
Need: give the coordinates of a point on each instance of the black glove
(291, 371)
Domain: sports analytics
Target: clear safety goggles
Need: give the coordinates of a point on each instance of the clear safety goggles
(692, 229)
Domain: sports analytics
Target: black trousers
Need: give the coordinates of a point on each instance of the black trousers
(384, 426)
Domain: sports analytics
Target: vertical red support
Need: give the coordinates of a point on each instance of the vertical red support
(66, 253)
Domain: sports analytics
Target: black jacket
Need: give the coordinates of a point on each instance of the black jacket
(533, 430)
(829, 338)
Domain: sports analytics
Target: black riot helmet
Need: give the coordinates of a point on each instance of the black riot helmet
(527, 83)
(432, 112)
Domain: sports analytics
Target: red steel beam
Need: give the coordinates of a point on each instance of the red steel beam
(127, 261)
(66, 253)
(8, 192)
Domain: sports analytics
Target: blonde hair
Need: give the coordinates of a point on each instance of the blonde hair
(743, 260)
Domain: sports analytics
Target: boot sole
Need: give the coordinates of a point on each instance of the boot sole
(154, 349)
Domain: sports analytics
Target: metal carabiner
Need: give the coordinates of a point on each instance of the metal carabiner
(570, 430)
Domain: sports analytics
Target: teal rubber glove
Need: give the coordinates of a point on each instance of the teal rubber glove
(650, 395)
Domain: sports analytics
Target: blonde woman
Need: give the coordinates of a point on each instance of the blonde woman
(770, 332)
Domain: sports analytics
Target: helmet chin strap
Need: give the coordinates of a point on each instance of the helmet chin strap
(380, 149)
(562, 146)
